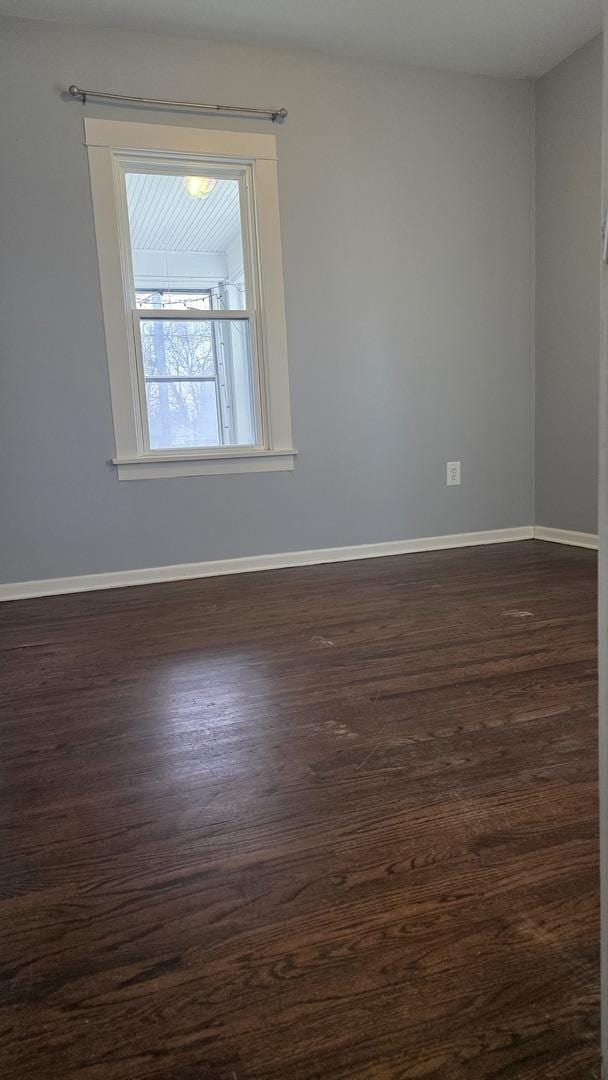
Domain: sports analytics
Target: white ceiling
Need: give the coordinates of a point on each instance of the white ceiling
(496, 37)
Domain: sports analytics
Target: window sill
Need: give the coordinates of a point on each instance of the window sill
(153, 467)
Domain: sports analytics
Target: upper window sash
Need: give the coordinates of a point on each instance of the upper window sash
(149, 163)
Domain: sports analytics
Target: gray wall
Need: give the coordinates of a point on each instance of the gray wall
(568, 213)
(406, 203)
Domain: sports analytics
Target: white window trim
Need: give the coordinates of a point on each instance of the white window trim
(106, 142)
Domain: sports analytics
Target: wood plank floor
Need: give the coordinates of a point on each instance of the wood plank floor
(337, 823)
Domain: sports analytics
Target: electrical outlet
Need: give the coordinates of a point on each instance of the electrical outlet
(453, 473)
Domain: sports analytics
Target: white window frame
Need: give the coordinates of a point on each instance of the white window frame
(114, 144)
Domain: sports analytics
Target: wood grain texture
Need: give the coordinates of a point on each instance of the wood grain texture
(337, 822)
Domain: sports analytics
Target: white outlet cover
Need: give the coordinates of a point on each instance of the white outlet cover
(453, 473)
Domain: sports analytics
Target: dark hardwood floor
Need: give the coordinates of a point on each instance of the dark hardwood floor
(334, 822)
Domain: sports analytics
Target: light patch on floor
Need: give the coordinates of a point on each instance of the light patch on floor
(323, 642)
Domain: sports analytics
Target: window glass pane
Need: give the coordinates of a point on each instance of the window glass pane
(199, 385)
(182, 414)
(160, 298)
(186, 241)
(177, 347)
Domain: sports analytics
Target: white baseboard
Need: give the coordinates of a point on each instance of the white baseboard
(566, 536)
(21, 590)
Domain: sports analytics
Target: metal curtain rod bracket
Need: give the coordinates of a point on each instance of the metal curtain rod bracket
(270, 114)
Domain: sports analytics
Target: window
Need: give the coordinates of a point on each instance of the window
(188, 239)
(196, 374)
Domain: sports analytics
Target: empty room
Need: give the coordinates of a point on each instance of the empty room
(301, 360)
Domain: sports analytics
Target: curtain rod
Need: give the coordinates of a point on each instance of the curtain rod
(270, 114)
